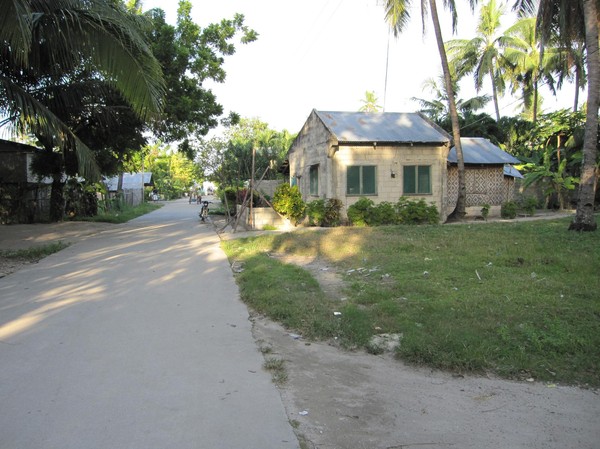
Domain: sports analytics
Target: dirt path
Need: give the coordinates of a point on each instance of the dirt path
(355, 400)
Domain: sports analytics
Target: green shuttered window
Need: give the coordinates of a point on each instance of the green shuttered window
(314, 179)
(361, 180)
(417, 179)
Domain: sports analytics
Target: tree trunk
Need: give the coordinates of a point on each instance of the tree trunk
(57, 199)
(577, 82)
(459, 211)
(584, 217)
(535, 98)
(495, 94)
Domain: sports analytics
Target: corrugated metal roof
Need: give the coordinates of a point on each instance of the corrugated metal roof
(130, 181)
(382, 127)
(477, 150)
(509, 170)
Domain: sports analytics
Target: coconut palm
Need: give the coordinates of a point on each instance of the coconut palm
(370, 103)
(530, 62)
(48, 43)
(577, 20)
(482, 55)
(570, 65)
(397, 15)
(437, 108)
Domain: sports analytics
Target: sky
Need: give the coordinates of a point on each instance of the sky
(326, 54)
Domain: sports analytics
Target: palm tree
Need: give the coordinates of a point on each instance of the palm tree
(397, 15)
(46, 43)
(577, 20)
(370, 103)
(482, 54)
(437, 108)
(529, 62)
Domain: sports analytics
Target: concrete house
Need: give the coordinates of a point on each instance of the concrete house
(383, 156)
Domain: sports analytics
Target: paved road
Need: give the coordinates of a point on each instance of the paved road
(134, 338)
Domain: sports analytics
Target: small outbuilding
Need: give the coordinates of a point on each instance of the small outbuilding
(489, 175)
(133, 186)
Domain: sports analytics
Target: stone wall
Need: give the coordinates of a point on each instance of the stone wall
(264, 216)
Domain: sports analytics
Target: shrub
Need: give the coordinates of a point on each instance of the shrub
(360, 212)
(383, 214)
(315, 211)
(485, 211)
(287, 201)
(416, 212)
(529, 205)
(509, 210)
(231, 194)
(243, 193)
(333, 208)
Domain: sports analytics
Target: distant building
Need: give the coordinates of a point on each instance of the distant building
(133, 186)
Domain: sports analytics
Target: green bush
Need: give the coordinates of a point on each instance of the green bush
(416, 212)
(333, 209)
(509, 210)
(359, 214)
(383, 213)
(229, 193)
(485, 210)
(287, 201)
(529, 205)
(315, 211)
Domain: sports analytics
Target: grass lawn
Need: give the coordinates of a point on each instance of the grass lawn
(520, 300)
(122, 215)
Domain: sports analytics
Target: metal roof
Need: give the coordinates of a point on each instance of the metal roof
(477, 150)
(130, 181)
(387, 127)
(509, 170)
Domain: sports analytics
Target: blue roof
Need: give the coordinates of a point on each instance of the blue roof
(509, 170)
(387, 127)
(477, 150)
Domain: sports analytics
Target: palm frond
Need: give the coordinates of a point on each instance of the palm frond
(33, 116)
(397, 15)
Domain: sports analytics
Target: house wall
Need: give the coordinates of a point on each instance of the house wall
(485, 185)
(390, 162)
(311, 148)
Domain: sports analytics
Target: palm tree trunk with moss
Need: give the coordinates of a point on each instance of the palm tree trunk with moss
(460, 209)
(584, 217)
(495, 94)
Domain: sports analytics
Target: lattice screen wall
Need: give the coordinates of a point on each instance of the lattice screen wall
(484, 185)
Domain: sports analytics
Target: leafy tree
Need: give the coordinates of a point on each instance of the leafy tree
(397, 16)
(234, 156)
(189, 56)
(370, 103)
(173, 173)
(551, 150)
